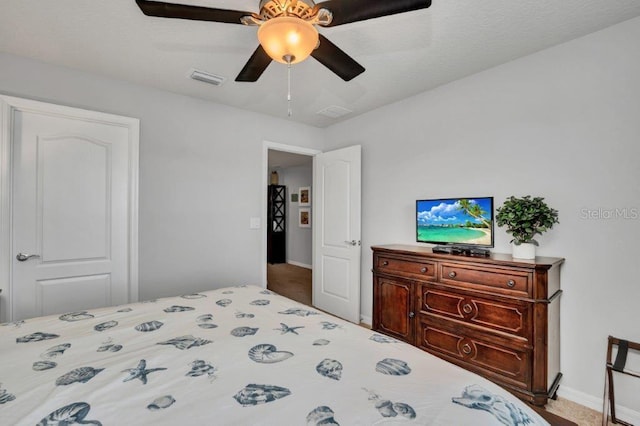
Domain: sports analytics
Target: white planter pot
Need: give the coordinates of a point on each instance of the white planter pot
(523, 251)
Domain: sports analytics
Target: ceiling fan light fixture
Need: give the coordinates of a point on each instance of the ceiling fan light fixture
(300, 16)
(287, 37)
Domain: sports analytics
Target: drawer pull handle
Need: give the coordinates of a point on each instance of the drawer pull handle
(452, 274)
(385, 263)
(467, 308)
(511, 283)
(423, 270)
(411, 314)
(466, 349)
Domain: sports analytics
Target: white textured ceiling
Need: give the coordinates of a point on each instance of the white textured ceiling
(403, 54)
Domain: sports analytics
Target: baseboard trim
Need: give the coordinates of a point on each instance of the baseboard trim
(623, 413)
(366, 320)
(302, 265)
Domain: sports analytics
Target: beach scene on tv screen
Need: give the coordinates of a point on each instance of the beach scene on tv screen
(455, 221)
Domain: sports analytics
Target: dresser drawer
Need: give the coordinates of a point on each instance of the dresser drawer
(496, 361)
(391, 264)
(511, 318)
(512, 282)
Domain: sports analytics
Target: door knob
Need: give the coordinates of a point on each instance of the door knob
(353, 243)
(24, 256)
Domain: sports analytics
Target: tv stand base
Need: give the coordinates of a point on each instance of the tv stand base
(462, 250)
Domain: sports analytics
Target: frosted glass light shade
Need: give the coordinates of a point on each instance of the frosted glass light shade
(288, 35)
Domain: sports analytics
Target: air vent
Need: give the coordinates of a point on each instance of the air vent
(335, 111)
(206, 77)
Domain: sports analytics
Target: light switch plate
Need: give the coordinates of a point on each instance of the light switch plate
(254, 223)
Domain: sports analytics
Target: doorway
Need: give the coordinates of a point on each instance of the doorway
(335, 225)
(289, 261)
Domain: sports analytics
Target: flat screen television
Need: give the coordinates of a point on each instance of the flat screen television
(465, 222)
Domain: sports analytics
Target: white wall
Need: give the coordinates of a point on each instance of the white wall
(299, 243)
(563, 124)
(194, 218)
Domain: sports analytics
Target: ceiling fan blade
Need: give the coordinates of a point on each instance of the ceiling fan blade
(195, 13)
(346, 11)
(334, 58)
(255, 66)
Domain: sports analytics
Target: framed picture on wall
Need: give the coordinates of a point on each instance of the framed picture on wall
(304, 217)
(304, 196)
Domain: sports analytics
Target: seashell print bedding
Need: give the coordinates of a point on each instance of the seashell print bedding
(233, 356)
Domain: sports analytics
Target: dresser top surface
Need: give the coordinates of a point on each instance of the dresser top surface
(494, 258)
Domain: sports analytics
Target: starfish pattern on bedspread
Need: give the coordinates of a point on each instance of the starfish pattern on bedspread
(286, 329)
(140, 372)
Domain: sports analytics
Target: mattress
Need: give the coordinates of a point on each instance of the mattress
(233, 356)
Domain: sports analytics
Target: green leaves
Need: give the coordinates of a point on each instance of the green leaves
(525, 218)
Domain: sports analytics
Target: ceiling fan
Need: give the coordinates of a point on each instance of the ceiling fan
(286, 28)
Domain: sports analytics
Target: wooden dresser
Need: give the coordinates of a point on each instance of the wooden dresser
(496, 316)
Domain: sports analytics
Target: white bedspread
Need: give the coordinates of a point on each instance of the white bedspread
(234, 356)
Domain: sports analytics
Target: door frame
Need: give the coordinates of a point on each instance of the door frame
(266, 146)
(8, 106)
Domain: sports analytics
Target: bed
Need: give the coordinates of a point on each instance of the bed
(233, 356)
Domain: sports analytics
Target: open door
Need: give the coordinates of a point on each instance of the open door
(336, 232)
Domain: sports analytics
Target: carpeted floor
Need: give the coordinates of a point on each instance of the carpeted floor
(290, 281)
(294, 282)
(577, 413)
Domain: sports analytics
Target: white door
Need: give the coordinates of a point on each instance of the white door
(73, 192)
(336, 232)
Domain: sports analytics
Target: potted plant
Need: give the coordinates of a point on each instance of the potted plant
(525, 218)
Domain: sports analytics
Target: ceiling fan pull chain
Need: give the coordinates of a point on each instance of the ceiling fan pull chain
(289, 111)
